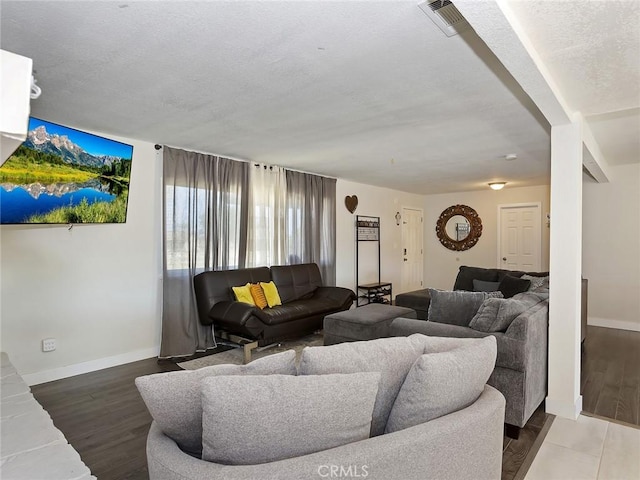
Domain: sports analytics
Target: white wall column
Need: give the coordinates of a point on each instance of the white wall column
(565, 264)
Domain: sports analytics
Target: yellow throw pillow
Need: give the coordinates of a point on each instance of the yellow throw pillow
(258, 296)
(243, 294)
(271, 293)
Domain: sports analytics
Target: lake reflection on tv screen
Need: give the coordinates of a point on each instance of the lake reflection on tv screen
(21, 202)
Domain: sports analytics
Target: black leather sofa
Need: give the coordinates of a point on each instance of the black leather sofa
(305, 302)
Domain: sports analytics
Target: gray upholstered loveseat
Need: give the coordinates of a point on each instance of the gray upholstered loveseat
(464, 441)
(521, 364)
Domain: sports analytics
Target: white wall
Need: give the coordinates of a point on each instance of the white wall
(441, 264)
(94, 288)
(376, 202)
(611, 248)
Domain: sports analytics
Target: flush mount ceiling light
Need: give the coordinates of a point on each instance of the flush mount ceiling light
(510, 156)
(497, 185)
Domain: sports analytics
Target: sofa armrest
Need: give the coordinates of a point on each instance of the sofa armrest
(338, 294)
(532, 325)
(237, 312)
(470, 439)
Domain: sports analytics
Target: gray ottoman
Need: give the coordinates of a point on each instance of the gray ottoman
(418, 300)
(364, 323)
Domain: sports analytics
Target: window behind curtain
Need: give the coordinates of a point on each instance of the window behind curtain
(205, 210)
(219, 214)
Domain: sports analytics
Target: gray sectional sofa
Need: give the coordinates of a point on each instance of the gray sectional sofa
(411, 408)
(521, 333)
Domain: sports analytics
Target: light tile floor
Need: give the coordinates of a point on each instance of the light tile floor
(587, 448)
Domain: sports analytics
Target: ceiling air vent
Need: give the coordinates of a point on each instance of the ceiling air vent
(445, 15)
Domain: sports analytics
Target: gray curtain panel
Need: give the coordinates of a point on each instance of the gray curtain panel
(205, 216)
(311, 213)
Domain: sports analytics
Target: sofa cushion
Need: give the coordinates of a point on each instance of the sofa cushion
(173, 398)
(257, 419)
(271, 294)
(536, 282)
(511, 351)
(391, 357)
(257, 294)
(496, 314)
(466, 275)
(442, 383)
(482, 286)
(296, 282)
(510, 286)
(243, 294)
(296, 310)
(456, 307)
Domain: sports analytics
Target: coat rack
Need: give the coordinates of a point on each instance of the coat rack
(368, 230)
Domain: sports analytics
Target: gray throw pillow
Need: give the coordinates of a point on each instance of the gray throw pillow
(536, 282)
(456, 307)
(173, 398)
(391, 357)
(496, 314)
(442, 383)
(483, 286)
(257, 419)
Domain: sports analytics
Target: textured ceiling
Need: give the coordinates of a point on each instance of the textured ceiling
(592, 50)
(371, 92)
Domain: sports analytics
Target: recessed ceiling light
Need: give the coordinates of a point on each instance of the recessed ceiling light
(510, 156)
(497, 185)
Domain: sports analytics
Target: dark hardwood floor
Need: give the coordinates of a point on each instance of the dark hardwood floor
(610, 383)
(104, 418)
(516, 457)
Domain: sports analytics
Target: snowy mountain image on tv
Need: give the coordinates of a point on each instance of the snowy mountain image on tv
(63, 175)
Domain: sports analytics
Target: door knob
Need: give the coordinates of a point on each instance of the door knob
(405, 260)
(504, 259)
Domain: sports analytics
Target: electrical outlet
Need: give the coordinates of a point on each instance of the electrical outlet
(48, 344)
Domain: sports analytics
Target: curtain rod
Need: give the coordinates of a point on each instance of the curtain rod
(158, 147)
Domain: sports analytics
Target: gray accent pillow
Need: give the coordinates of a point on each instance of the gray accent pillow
(257, 419)
(456, 307)
(483, 286)
(391, 357)
(442, 383)
(536, 282)
(173, 398)
(496, 314)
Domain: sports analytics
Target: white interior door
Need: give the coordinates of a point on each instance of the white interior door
(412, 256)
(520, 237)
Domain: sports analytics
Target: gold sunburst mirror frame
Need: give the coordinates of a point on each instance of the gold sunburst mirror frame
(466, 241)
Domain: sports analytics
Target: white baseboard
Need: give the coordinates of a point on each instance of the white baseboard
(91, 366)
(611, 323)
(564, 409)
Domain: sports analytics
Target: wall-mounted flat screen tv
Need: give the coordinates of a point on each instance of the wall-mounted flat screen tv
(65, 176)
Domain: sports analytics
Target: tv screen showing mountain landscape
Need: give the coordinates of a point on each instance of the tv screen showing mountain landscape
(63, 175)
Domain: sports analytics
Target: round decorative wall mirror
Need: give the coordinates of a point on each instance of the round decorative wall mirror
(459, 227)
